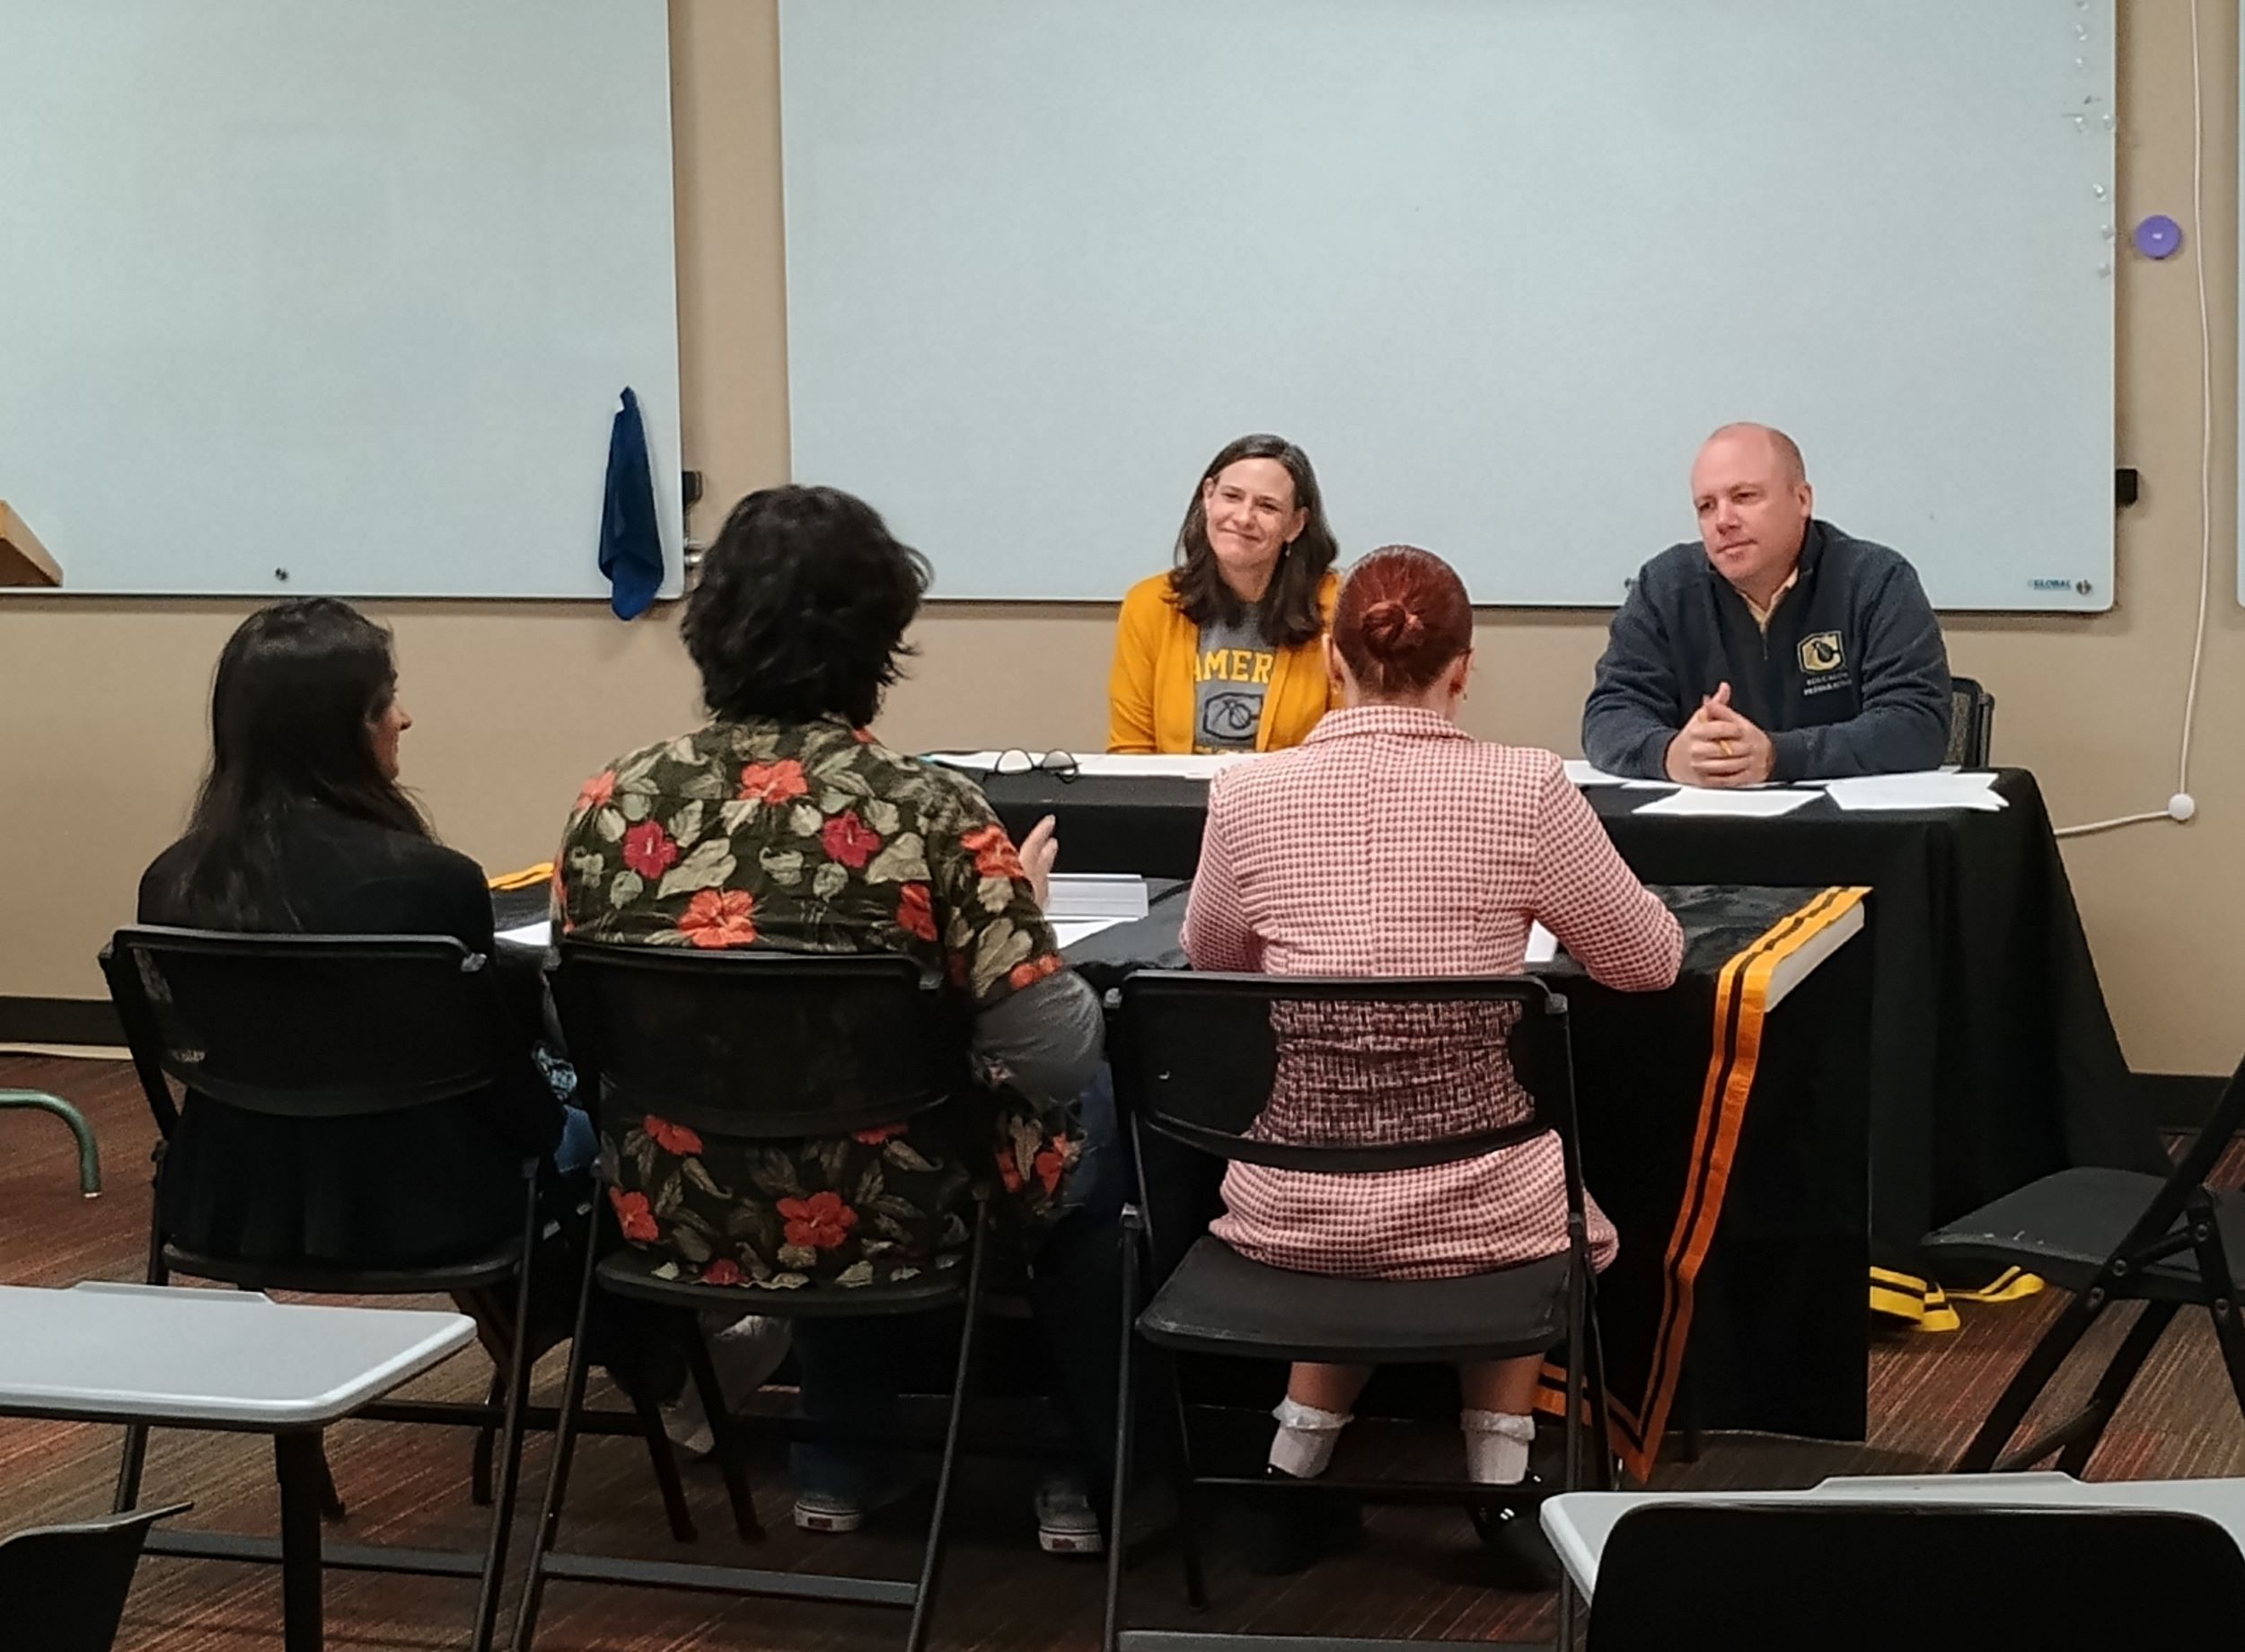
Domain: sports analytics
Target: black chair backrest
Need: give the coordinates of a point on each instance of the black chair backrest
(310, 1026)
(1934, 1576)
(1344, 1074)
(1971, 723)
(63, 1587)
(758, 1045)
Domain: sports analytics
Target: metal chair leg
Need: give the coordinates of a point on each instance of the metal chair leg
(1110, 1629)
(135, 1453)
(1601, 1417)
(2221, 1284)
(2112, 1387)
(487, 1439)
(1187, 1493)
(330, 1499)
(89, 1155)
(510, 1464)
(2032, 1377)
(725, 1435)
(564, 1446)
(931, 1561)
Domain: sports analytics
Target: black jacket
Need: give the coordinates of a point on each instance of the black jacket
(1851, 678)
(431, 1184)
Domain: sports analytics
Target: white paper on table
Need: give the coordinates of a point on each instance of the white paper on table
(1648, 785)
(1751, 805)
(539, 934)
(1542, 945)
(1582, 771)
(1071, 930)
(1115, 896)
(1934, 789)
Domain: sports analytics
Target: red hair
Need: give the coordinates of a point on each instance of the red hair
(1402, 620)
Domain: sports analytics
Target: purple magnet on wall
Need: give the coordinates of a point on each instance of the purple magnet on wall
(2158, 236)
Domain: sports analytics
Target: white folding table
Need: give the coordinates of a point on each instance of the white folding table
(168, 1356)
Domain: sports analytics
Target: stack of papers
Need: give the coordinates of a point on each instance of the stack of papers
(1117, 895)
(1081, 904)
(1582, 772)
(1755, 805)
(1939, 789)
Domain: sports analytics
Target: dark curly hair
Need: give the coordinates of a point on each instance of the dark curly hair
(801, 609)
(1289, 611)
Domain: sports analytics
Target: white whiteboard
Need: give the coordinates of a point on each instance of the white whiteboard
(1498, 265)
(346, 290)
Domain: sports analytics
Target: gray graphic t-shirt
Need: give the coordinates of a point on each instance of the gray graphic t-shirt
(1231, 674)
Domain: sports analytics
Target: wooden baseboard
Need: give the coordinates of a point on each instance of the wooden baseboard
(58, 1020)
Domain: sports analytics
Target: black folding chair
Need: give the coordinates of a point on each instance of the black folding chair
(63, 1587)
(1847, 1576)
(1199, 1058)
(756, 1047)
(329, 1027)
(1971, 723)
(2109, 1236)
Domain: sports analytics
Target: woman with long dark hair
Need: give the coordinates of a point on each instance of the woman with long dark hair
(301, 828)
(1223, 653)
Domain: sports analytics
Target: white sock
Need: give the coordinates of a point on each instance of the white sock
(1304, 1444)
(1496, 1446)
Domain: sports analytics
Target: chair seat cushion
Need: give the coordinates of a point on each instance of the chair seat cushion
(1219, 1302)
(635, 1273)
(2064, 1227)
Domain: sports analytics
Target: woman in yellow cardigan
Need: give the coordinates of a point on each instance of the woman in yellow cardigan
(1225, 652)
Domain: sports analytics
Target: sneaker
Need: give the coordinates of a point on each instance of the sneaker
(745, 1352)
(1067, 1524)
(847, 1511)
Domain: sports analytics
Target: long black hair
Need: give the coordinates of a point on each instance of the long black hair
(801, 609)
(1288, 609)
(299, 688)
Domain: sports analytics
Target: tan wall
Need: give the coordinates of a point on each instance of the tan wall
(102, 719)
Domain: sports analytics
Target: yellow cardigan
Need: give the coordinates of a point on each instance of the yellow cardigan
(1149, 691)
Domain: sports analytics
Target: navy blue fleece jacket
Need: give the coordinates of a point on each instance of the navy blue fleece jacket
(1850, 679)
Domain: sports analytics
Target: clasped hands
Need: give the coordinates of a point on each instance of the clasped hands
(1717, 747)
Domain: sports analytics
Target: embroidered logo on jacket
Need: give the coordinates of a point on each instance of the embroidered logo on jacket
(1821, 653)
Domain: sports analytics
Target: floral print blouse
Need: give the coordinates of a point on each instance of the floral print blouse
(814, 838)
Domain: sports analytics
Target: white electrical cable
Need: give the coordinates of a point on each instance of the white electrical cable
(2181, 807)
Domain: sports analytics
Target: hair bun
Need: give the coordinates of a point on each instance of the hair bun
(1392, 629)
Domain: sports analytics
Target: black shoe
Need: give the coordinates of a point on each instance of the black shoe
(1521, 1557)
(1288, 1531)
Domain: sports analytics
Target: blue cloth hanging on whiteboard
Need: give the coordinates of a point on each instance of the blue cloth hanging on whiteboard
(630, 544)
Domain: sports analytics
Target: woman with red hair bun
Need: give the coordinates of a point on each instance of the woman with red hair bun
(1392, 843)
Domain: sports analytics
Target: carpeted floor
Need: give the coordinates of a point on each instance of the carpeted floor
(1418, 1574)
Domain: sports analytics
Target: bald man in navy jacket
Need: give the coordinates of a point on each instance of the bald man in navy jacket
(1775, 648)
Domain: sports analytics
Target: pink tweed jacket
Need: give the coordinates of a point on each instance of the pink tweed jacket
(1394, 843)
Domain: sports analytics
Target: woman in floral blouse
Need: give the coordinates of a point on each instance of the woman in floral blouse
(782, 823)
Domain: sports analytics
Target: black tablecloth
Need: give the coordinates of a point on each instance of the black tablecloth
(1749, 1243)
(1993, 1058)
